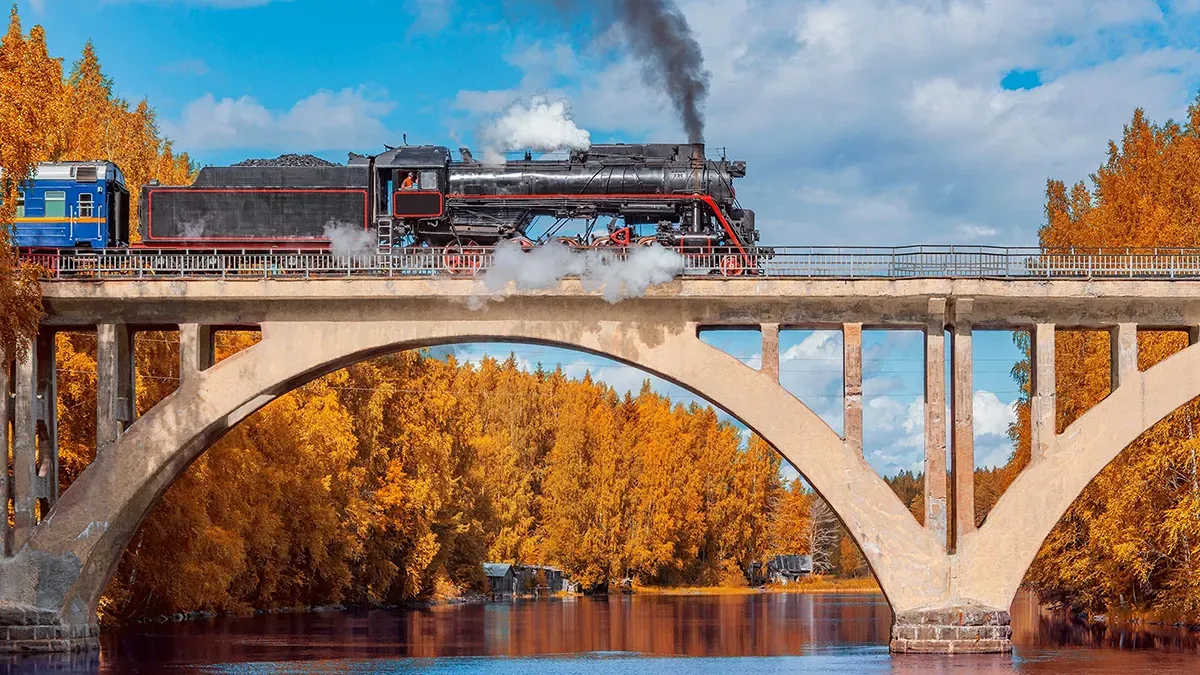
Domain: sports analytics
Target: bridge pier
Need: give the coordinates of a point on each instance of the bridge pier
(29, 619)
(953, 630)
(6, 481)
(115, 383)
(935, 421)
(35, 438)
(852, 398)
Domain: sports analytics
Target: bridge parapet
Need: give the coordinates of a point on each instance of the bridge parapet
(806, 262)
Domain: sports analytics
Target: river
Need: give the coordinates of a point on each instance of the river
(624, 635)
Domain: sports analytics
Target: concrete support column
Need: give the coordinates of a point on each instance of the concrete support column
(962, 459)
(852, 382)
(116, 383)
(195, 350)
(1043, 411)
(770, 350)
(35, 437)
(935, 420)
(1124, 362)
(6, 483)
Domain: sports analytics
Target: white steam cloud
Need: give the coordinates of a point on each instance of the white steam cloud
(194, 229)
(544, 266)
(347, 240)
(538, 124)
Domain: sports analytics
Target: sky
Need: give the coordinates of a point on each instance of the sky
(863, 122)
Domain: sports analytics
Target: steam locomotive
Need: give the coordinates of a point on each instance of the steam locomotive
(412, 196)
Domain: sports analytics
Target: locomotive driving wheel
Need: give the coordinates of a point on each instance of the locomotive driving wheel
(731, 265)
(462, 258)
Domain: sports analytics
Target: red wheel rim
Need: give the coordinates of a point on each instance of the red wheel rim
(731, 265)
(459, 258)
(620, 237)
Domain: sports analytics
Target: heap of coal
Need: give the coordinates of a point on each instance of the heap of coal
(289, 160)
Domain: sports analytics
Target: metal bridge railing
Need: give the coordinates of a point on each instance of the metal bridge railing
(982, 262)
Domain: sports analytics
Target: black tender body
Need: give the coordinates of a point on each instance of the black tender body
(256, 206)
(668, 193)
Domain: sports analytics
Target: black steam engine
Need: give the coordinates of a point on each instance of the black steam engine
(618, 195)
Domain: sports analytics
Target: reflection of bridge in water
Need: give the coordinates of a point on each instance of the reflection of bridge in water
(949, 583)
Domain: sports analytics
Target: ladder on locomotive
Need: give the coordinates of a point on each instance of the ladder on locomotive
(384, 231)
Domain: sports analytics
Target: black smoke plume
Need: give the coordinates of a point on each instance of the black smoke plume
(661, 39)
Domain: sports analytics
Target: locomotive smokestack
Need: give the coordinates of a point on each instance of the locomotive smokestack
(662, 40)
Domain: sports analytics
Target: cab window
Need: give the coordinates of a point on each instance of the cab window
(56, 204)
(86, 207)
(429, 180)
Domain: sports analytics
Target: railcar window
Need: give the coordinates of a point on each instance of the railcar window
(20, 204)
(429, 180)
(86, 209)
(56, 204)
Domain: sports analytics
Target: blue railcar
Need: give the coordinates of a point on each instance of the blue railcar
(73, 205)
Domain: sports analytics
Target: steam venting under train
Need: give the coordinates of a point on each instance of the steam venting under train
(420, 196)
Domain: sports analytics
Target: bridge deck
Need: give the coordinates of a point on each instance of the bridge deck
(997, 303)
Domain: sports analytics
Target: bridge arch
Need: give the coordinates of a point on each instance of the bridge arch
(994, 559)
(75, 550)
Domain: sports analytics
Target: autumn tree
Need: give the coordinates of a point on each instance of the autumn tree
(790, 521)
(29, 106)
(1132, 538)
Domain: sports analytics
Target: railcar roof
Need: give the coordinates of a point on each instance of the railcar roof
(67, 170)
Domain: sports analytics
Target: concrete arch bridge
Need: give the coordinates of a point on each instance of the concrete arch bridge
(949, 583)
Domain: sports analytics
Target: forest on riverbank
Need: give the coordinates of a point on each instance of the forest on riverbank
(391, 481)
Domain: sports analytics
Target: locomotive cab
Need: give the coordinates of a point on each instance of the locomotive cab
(410, 186)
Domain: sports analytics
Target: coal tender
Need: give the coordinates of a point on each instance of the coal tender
(421, 196)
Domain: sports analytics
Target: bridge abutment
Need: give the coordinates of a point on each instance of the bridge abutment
(25, 629)
(952, 630)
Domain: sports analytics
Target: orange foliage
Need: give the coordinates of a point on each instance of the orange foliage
(46, 118)
(1132, 539)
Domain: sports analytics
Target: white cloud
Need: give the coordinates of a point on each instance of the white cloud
(972, 231)
(992, 417)
(326, 120)
(812, 371)
(429, 16)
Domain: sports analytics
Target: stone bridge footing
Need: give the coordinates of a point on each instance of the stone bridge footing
(29, 630)
(952, 630)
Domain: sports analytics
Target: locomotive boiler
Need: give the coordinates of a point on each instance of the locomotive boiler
(617, 195)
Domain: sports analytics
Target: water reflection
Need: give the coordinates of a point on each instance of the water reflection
(623, 634)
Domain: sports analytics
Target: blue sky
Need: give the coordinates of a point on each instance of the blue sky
(863, 122)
